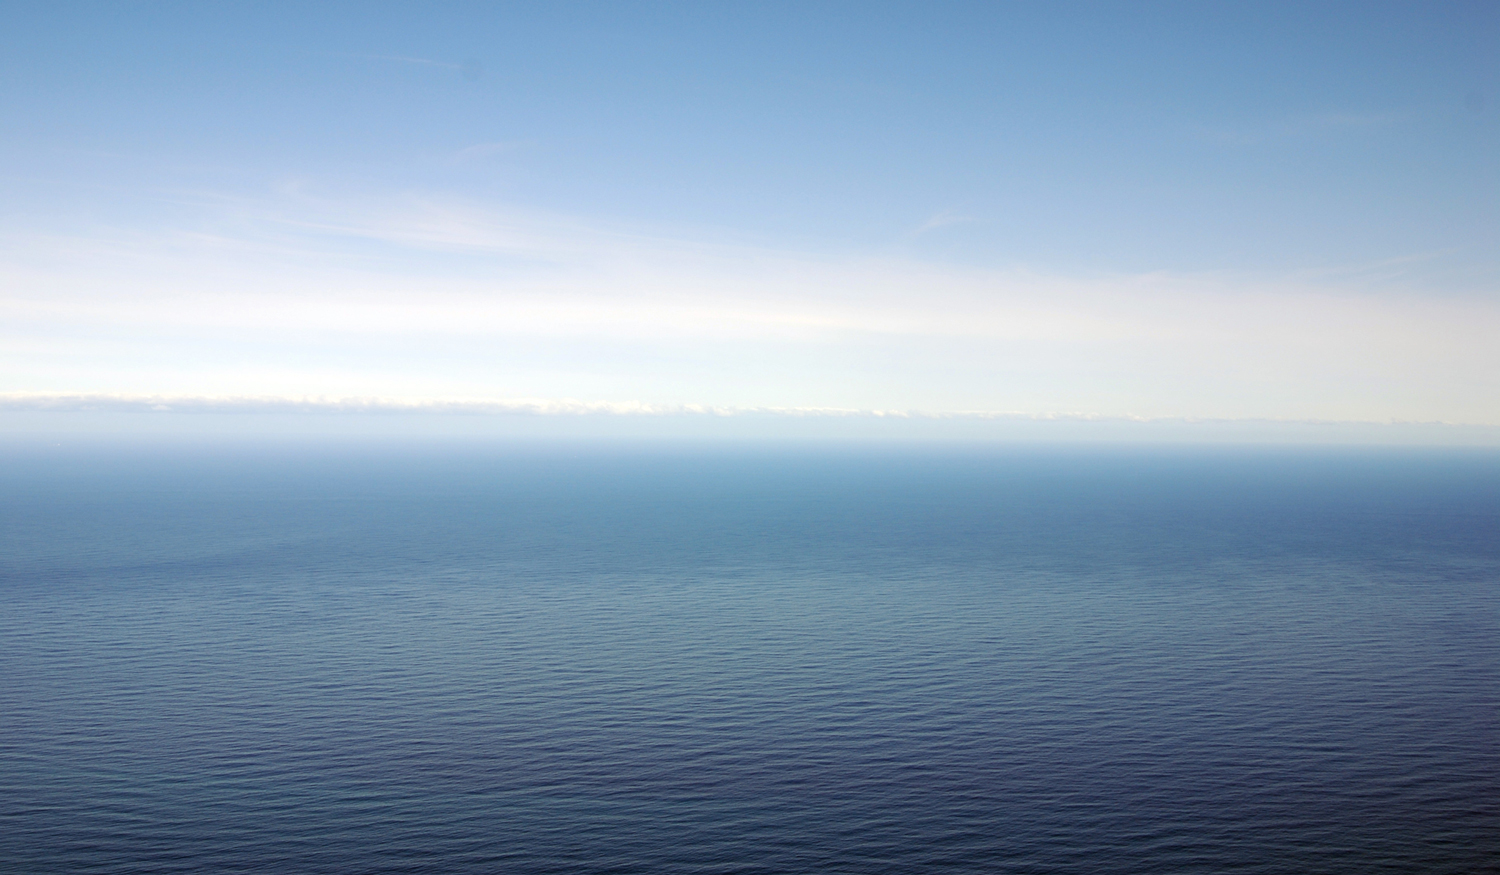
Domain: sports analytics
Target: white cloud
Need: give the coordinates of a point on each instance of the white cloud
(942, 219)
(429, 298)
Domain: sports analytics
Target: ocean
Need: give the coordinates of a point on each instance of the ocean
(720, 659)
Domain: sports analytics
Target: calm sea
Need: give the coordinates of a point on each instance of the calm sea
(693, 660)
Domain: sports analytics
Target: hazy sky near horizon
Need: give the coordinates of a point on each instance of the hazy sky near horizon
(1272, 211)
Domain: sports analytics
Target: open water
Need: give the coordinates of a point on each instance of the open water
(458, 659)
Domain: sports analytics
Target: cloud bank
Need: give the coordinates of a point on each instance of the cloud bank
(450, 305)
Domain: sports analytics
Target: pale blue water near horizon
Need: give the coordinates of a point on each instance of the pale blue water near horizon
(818, 659)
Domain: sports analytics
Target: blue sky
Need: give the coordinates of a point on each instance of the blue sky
(1225, 211)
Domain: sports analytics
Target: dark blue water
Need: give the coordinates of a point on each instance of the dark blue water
(823, 660)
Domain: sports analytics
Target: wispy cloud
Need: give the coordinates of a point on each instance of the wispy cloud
(428, 297)
(943, 219)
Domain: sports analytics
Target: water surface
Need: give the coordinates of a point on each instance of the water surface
(459, 659)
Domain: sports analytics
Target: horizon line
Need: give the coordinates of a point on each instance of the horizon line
(104, 402)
